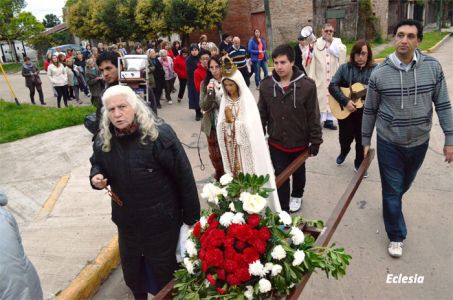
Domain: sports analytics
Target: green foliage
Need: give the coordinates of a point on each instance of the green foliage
(26, 120)
(9, 10)
(50, 20)
(369, 24)
(11, 68)
(112, 20)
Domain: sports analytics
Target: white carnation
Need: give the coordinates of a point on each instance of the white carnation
(248, 294)
(278, 253)
(285, 218)
(238, 218)
(268, 267)
(189, 265)
(226, 219)
(203, 221)
(256, 268)
(226, 179)
(191, 248)
(265, 285)
(212, 192)
(252, 203)
(297, 236)
(231, 206)
(299, 257)
(276, 269)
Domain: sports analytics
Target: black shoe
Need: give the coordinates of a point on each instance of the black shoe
(341, 158)
(198, 117)
(159, 106)
(330, 125)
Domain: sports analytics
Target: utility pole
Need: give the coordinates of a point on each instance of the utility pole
(267, 12)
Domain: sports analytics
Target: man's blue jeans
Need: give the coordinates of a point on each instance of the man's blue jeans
(398, 167)
(257, 66)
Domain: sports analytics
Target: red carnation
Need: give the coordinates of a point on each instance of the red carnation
(214, 257)
(211, 279)
(243, 274)
(259, 245)
(220, 274)
(233, 230)
(244, 233)
(253, 220)
(212, 218)
(230, 265)
(221, 291)
(216, 237)
(240, 245)
(233, 280)
(228, 241)
(250, 255)
(264, 233)
(197, 230)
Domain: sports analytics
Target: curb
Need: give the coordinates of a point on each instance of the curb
(48, 206)
(438, 44)
(93, 274)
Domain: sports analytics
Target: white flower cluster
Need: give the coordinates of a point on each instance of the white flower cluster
(226, 179)
(189, 265)
(211, 192)
(252, 203)
(285, 218)
(191, 248)
(229, 218)
(274, 269)
(299, 257)
(256, 268)
(278, 253)
(297, 236)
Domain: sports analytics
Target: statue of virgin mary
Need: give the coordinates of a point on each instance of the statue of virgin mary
(240, 134)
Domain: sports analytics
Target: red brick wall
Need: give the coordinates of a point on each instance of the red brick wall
(237, 22)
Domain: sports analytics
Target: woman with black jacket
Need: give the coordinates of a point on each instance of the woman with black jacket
(358, 69)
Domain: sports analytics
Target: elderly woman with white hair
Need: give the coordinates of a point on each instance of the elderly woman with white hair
(152, 187)
(170, 76)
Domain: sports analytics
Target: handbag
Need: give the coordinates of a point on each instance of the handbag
(90, 123)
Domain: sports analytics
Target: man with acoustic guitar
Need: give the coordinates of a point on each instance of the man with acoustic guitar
(348, 91)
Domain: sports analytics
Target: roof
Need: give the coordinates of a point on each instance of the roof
(59, 28)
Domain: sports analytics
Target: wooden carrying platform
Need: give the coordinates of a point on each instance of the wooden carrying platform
(322, 236)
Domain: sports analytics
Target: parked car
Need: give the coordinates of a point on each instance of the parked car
(64, 48)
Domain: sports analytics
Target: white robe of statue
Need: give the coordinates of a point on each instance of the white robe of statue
(253, 151)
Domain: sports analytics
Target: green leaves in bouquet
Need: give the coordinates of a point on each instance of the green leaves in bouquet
(251, 183)
(333, 261)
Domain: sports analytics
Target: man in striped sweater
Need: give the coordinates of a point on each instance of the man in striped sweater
(238, 54)
(400, 98)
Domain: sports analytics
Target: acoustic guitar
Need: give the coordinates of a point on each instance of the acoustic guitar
(356, 93)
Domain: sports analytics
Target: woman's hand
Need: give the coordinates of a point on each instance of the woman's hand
(99, 181)
(351, 106)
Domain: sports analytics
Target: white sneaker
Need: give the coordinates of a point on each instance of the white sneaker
(395, 249)
(295, 204)
(364, 175)
(170, 102)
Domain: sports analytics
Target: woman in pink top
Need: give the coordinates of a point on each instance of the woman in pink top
(170, 75)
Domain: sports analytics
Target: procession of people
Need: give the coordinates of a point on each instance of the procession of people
(139, 159)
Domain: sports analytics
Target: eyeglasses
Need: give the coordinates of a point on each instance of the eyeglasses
(363, 53)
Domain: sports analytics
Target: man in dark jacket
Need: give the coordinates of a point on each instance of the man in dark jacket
(289, 111)
(298, 60)
(152, 186)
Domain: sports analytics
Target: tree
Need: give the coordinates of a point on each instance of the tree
(152, 17)
(50, 20)
(17, 25)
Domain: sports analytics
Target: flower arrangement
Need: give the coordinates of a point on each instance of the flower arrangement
(240, 249)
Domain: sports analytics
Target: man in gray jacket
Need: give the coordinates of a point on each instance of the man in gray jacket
(18, 277)
(399, 101)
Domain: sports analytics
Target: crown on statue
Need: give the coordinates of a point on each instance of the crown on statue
(227, 66)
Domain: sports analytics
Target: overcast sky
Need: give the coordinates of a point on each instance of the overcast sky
(40, 8)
